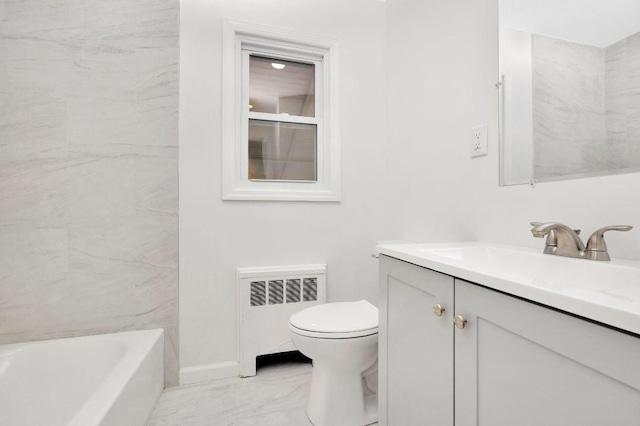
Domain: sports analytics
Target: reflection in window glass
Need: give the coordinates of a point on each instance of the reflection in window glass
(282, 151)
(281, 87)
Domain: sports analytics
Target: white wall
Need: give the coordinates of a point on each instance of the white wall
(216, 236)
(443, 65)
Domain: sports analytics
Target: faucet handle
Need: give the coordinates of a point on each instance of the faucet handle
(596, 240)
(596, 246)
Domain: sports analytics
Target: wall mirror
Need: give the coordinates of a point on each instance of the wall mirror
(569, 89)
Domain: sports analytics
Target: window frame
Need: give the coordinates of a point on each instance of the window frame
(241, 40)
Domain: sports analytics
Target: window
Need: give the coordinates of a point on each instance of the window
(280, 116)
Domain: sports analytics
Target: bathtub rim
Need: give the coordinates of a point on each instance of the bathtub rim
(96, 408)
(141, 347)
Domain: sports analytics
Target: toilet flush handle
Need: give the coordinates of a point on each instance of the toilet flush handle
(438, 309)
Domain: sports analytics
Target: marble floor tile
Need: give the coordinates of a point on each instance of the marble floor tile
(277, 395)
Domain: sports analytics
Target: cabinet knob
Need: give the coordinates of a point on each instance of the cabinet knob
(459, 321)
(438, 309)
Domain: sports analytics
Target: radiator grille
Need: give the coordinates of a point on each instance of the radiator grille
(310, 289)
(276, 296)
(293, 290)
(274, 292)
(258, 293)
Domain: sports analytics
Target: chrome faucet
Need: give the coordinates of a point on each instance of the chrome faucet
(561, 240)
(564, 241)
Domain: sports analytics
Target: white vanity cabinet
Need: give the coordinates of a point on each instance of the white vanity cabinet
(513, 363)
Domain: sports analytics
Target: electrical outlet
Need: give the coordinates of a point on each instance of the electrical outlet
(479, 141)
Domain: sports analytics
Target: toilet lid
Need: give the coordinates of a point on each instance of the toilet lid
(340, 317)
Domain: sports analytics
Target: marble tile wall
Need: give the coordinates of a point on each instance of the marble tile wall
(568, 107)
(622, 65)
(89, 169)
(586, 106)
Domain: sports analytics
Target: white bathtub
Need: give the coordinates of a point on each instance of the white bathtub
(109, 379)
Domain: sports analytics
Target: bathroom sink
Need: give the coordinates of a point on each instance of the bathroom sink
(608, 292)
(535, 267)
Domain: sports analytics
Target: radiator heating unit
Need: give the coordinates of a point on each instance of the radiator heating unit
(267, 297)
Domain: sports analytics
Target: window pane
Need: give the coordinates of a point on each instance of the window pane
(281, 87)
(282, 151)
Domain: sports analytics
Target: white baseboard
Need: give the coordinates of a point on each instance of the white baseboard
(207, 372)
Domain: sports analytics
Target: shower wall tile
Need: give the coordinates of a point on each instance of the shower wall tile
(123, 23)
(33, 260)
(91, 123)
(126, 239)
(111, 177)
(24, 59)
(141, 123)
(157, 69)
(32, 102)
(155, 298)
(101, 300)
(106, 150)
(568, 108)
(103, 73)
(615, 86)
(35, 18)
(156, 186)
(144, 104)
(33, 189)
(32, 127)
(622, 64)
(157, 96)
(633, 117)
(586, 121)
(89, 169)
(31, 252)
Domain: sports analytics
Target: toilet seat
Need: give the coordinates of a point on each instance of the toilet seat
(319, 335)
(340, 320)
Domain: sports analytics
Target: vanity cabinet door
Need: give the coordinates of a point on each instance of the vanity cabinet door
(518, 363)
(416, 346)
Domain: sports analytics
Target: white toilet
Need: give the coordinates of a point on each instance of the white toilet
(342, 340)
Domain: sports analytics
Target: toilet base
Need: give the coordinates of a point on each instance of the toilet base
(371, 409)
(343, 378)
(339, 399)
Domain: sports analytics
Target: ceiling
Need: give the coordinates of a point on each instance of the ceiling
(594, 22)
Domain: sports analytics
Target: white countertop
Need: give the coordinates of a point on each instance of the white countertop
(606, 292)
